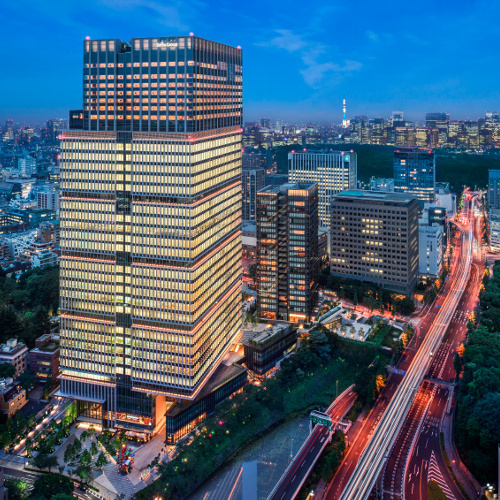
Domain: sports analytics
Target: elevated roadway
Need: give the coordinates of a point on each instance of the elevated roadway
(376, 452)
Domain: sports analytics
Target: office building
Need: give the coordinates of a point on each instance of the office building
(323, 243)
(266, 345)
(249, 242)
(431, 119)
(12, 397)
(252, 180)
(494, 188)
(446, 199)
(48, 198)
(150, 213)
(374, 238)
(287, 251)
(333, 171)
(381, 184)
(415, 173)
(44, 357)
(26, 166)
(494, 224)
(430, 250)
(16, 354)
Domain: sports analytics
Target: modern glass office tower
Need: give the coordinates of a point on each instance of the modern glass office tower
(252, 180)
(287, 251)
(415, 173)
(150, 226)
(333, 171)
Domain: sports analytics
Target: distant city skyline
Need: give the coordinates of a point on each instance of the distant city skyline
(380, 57)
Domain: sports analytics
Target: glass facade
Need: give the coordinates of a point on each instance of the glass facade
(287, 251)
(415, 173)
(150, 225)
(333, 171)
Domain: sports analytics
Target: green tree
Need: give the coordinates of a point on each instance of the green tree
(62, 496)
(36, 323)
(101, 461)
(27, 379)
(7, 370)
(457, 364)
(28, 444)
(84, 472)
(93, 448)
(18, 489)
(86, 457)
(45, 461)
(318, 343)
(77, 445)
(10, 325)
(48, 485)
(69, 453)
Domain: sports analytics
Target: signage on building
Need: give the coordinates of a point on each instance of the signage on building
(164, 45)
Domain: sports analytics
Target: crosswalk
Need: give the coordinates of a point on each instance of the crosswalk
(434, 474)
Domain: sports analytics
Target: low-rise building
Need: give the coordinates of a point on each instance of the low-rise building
(12, 397)
(430, 250)
(446, 199)
(44, 357)
(267, 344)
(16, 354)
(44, 258)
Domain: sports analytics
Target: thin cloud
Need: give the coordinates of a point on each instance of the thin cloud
(316, 71)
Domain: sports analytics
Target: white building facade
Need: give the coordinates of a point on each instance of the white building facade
(333, 171)
(430, 250)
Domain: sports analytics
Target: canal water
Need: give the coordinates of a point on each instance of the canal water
(254, 472)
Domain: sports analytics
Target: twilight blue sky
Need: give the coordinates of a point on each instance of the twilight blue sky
(300, 58)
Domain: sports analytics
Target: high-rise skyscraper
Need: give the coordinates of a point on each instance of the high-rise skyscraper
(415, 172)
(333, 171)
(287, 251)
(252, 180)
(431, 119)
(150, 214)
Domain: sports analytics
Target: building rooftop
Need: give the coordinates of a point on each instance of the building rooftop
(375, 196)
(11, 346)
(322, 152)
(227, 370)
(285, 187)
(429, 229)
(264, 332)
(6, 385)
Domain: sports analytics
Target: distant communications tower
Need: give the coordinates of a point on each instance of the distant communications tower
(344, 117)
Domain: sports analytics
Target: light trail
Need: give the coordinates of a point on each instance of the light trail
(377, 450)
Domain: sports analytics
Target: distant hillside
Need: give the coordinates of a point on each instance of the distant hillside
(458, 169)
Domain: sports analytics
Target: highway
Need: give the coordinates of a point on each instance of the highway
(377, 450)
(359, 435)
(298, 470)
(426, 462)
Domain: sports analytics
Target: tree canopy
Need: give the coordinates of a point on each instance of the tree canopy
(478, 402)
(49, 485)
